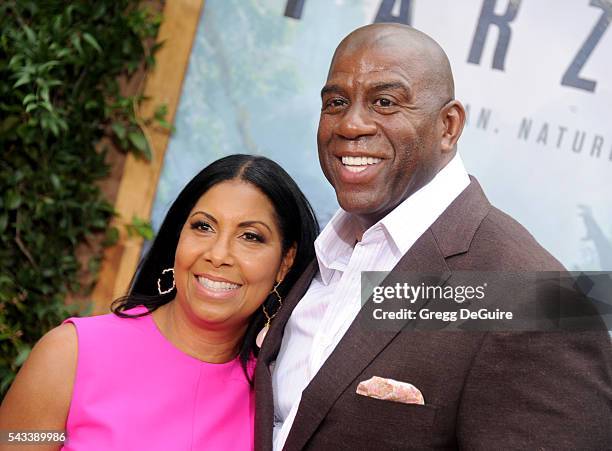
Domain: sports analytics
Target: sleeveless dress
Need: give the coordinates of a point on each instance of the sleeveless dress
(134, 390)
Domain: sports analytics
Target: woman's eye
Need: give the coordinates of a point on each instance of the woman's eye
(251, 236)
(202, 226)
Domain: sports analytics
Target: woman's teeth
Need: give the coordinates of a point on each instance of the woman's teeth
(215, 285)
(358, 164)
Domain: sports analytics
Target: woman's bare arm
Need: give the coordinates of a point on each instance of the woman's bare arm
(39, 398)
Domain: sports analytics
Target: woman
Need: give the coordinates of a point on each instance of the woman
(172, 367)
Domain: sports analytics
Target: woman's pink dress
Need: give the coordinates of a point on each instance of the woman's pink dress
(134, 390)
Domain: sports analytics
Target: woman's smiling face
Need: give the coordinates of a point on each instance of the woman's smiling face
(229, 255)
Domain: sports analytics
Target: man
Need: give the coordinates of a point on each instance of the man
(387, 143)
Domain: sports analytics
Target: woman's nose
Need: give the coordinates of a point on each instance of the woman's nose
(219, 253)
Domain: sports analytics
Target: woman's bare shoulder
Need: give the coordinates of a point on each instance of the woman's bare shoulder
(40, 395)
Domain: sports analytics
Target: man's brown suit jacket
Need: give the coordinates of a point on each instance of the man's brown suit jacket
(489, 391)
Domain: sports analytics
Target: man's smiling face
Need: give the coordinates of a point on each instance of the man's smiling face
(379, 131)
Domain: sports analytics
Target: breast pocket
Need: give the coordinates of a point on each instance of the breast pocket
(388, 424)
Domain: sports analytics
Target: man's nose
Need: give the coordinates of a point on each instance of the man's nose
(356, 122)
(219, 253)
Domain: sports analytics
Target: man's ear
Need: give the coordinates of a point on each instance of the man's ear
(286, 263)
(453, 120)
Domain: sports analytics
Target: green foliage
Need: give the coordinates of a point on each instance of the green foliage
(141, 228)
(59, 95)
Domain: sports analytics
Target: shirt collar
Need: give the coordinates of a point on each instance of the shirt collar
(403, 226)
(410, 219)
(334, 245)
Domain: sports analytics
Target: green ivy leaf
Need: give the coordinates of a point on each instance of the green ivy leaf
(48, 65)
(22, 356)
(15, 61)
(55, 181)
(24, 79)
(76, 42)
(161, 111)
(9, 123)
(31, 107)
(3, 222)
(119, 130)
(139, 142)
(30, 35)
(29, 98)
(54, 127)
(63, 53)
(140, 227)
(111, 238)
(146, 232)
(12, 200)
(92, 41)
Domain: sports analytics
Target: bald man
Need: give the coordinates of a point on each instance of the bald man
(387, 140)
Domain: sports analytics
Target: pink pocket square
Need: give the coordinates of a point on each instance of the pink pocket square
(390, 390)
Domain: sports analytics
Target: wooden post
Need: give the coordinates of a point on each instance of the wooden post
(139, 180)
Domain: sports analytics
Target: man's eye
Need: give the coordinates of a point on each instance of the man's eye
(251, 236)
(383, 102)
(202, 226)
(334, 103)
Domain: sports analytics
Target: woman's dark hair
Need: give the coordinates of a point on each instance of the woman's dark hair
(295, 218)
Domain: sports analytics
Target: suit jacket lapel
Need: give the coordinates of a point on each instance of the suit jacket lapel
(275, 335)
(359, 346)
(264, 400)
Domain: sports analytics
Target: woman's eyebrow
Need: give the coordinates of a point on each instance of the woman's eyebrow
(208, 215)
(250, 223)
(211, 218)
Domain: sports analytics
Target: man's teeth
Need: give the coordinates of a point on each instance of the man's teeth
(358, 164)
(215, 285)
(356, 168)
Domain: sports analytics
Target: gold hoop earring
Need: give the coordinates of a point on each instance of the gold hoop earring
(264, 331)
(280, 299)
(161, 292)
